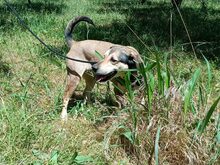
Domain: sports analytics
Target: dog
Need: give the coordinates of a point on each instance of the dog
(116, 58)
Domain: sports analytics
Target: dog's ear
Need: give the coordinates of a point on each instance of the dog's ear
(134, 57)
(134, 54)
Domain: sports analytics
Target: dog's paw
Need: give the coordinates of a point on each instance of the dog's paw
(121, 102)
(64, 116)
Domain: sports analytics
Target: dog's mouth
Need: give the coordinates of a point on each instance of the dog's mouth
(104, 78)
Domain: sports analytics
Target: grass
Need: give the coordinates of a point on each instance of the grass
(177, 122)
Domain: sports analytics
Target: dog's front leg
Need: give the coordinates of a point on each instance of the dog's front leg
(90, 82)
(72, 81)
(119, 91)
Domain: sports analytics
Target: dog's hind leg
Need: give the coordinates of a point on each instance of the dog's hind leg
(90, 82)
(72, 81)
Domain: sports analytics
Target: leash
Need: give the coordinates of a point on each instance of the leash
(23, 24)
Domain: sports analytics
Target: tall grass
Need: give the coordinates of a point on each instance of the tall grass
(190, 89)
(163, 97)
(172, 118)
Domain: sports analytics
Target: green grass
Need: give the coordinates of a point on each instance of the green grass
(178, 120)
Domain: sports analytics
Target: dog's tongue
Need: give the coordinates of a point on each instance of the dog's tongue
(100, 78)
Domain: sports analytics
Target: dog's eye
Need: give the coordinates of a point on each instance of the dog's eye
(130, 57)
(113, 60)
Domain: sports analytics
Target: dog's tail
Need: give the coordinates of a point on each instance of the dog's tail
(71, 25)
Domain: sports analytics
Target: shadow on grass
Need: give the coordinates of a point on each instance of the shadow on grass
(4, 68)
(8, 21)
(151, 22)
(43, 7)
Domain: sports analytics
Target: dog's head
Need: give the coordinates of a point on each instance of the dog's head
(117, 60)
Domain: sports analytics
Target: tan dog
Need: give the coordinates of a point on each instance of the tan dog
(117, 58)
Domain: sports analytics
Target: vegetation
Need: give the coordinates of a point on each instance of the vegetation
(177, 122)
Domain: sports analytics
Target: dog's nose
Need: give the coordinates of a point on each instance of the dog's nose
(94, 67)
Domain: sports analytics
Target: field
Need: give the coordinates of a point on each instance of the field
(173, 118)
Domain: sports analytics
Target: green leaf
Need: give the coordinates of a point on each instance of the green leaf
(72, 161)
(151, 89)
(167, 76)
(80, 159)
(201, 99)
(209, 75)
(159, 75)
(128, 86)
(208, 116)
(144, 75)
(129, 136)
(54, 157)
(189, 92)
(74, 155)
(97, 54)
(150, 66)
(218, 137)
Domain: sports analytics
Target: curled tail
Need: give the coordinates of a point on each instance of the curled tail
(71, 25)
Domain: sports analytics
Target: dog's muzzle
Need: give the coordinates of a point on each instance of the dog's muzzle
(95, 67)
(100, 77)
(106, 77)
